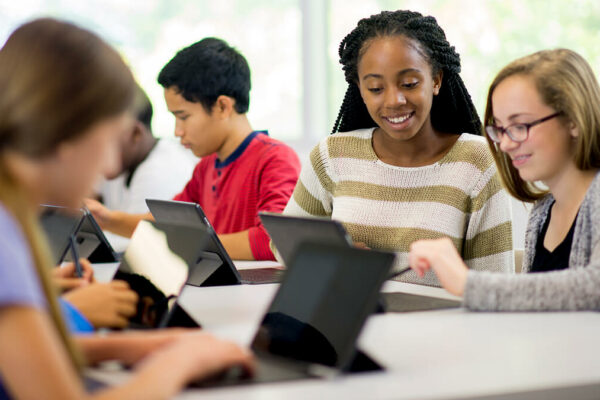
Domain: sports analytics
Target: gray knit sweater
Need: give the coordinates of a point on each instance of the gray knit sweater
(575, 288)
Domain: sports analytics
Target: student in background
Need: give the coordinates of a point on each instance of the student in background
(242, 171)
(543, 125)
(63, 106)
(405, 161)
(151, 168)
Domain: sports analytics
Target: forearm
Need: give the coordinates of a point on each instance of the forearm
(153, 382)
(98, 348)
(237, 245)
(569, 290)
(123, 223)
(127, 347)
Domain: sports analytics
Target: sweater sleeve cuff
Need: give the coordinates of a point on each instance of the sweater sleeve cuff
(259, 244)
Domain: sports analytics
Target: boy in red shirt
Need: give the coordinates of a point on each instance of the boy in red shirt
(242, 171)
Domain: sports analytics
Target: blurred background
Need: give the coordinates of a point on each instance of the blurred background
(291, 45)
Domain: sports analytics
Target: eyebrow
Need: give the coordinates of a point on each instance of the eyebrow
(404, 71)
(512, 117)
(177, 112)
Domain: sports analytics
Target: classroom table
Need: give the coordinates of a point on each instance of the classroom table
(444, 354)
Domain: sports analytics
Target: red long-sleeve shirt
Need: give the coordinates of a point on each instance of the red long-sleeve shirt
(260, 175)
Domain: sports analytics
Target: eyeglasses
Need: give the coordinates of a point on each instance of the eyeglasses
(516, 132)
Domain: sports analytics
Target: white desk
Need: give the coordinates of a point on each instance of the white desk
(447, 354)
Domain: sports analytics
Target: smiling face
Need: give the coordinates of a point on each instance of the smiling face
(548, 150)
(396, 84)
(194, 126)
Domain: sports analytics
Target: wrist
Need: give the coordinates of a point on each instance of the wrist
(461, 282)
(109, 219)
(174, 378)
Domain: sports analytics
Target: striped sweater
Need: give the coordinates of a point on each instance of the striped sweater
(388, 207)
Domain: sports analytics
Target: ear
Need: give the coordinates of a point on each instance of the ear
(573, 129)
(224, 107)
(138, 131)
(437, 82)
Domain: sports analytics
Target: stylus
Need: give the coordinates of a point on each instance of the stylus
(398, 273)
(75, 254)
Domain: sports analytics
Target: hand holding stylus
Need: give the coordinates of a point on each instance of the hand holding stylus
(65, 277)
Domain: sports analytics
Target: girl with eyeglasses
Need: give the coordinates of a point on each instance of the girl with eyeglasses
(543, 128)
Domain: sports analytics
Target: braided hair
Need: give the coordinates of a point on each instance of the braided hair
(452, 109)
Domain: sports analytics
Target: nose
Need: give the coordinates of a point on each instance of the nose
(112, 164)
(178, 129)
(507, 144)
(394, 97)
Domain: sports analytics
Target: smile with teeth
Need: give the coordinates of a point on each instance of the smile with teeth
(398, 120)
(520, 160)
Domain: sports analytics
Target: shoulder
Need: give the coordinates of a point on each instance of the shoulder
(354, 144)
(472, 149)
(591, 202)
(593, 194)
(471, 159)
(264, 142)
(266, 149)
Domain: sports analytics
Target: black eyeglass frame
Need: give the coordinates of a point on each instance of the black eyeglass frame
(495, 132)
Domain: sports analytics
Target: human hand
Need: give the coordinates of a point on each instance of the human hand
(195, 356)
(135, 345)
(105, 304)
(65, 276)
(441, 256)
(102, 215)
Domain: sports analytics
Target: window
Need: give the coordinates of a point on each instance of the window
(291, 45)
(148, 33)
(487, 34)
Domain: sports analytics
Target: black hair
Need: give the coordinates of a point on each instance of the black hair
(145, 112)
(452, 109)
(206, 70)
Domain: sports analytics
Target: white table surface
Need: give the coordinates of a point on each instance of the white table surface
(446, 354)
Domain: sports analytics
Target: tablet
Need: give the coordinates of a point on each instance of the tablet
(156, 266)
(288, 232)
(214, 267)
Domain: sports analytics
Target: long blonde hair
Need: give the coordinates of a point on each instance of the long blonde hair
(565, 82)
(57, 80)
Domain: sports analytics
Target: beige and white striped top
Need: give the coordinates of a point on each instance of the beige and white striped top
(388, 207)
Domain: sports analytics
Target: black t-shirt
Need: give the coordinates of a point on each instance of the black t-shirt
(557, 259)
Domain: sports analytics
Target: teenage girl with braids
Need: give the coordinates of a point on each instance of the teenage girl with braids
(543, 125)
(65, 101)
(404, 163)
